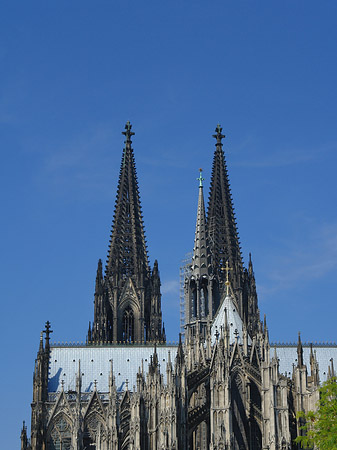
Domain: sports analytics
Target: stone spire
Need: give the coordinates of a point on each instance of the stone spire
(127, 299)
(200, 285)
(201, 256)
(127, 254)
(299, 351)
(222, 229)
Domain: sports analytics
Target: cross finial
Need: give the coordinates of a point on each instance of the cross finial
(218, 136)
(47, 329)
(200, 179)
(128, 133)
(227, 283)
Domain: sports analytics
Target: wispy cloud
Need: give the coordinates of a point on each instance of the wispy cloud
(80, 164)
(311, 258)
(170, 287)
(282, 157)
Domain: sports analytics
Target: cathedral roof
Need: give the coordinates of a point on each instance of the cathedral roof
(287, 355)
(96, 362)
(233, 318)
(126, 359)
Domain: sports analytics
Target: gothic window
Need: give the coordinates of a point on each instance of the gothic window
(128, 325)
(94, 433)
(60, 436)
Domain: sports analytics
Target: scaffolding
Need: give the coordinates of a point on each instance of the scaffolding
(184, 272)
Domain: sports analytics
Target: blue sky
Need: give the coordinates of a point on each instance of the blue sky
(71, 75)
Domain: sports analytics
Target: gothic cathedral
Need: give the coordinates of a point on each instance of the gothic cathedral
(224, 386)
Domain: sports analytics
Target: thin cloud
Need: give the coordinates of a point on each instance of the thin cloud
(170, 287)
(79, 166)
(285, 157)
(311, 259)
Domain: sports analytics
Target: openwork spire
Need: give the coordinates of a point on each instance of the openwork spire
(127, 252)
(127, 299)
(222, 229)
(201, 258)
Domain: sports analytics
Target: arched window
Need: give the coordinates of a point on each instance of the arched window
(128, 325)
(94, 435)
(60, 436)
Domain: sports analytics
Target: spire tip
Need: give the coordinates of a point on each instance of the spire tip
(200, 179)
(218, 136)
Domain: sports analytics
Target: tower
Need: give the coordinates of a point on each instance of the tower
(127, 298)
(201, 285)
(224, 241)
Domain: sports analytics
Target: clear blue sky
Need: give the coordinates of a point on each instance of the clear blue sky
(71, 75)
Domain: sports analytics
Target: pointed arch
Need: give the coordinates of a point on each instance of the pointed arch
(128, 324)
(240, 419)
(95, 432)
(59, 433)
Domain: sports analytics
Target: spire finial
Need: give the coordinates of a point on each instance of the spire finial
(218, 136)
(200, 179)
(128, 133)
(227, 283)
(47, 331)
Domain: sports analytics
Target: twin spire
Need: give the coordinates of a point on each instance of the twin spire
(127, 297)
(127, 250)
(222, 229)
(219, 237)
(217, 269)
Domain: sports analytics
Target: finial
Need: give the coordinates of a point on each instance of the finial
(95, 385)
(227, 283)
(218, 136)
(47, 331)
(200, 179)
(128, 133)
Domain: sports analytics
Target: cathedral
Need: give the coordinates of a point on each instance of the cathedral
(224, 386)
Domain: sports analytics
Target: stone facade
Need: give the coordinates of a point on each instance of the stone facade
(220, 388)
